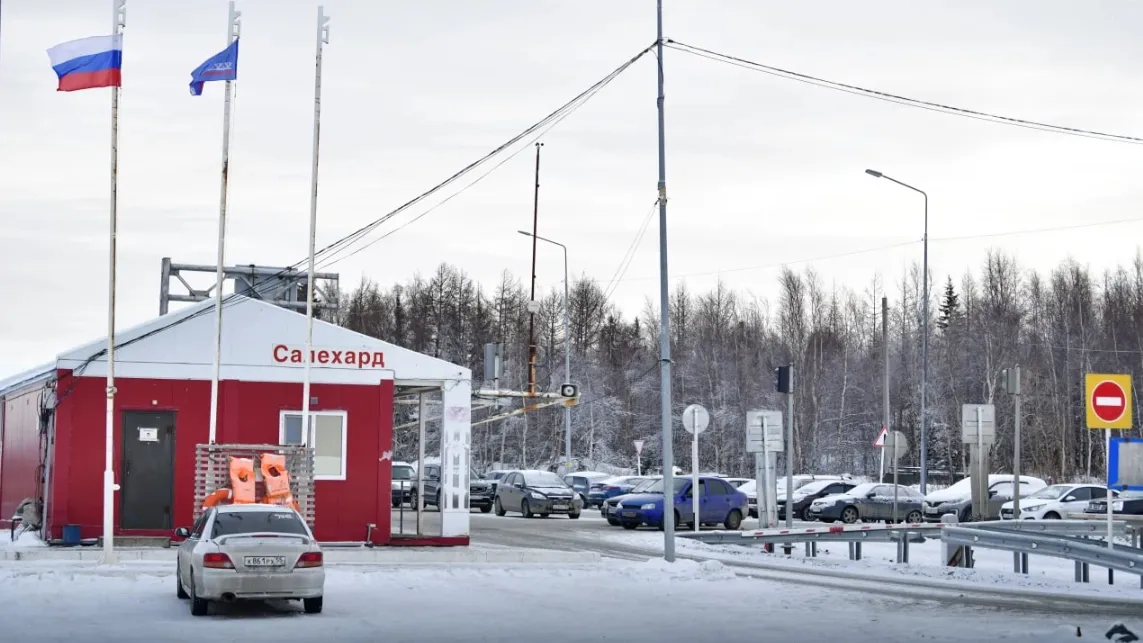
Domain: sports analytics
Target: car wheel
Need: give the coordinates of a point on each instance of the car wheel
(498, 507)
(574, 516)
(1051, 515)
(396, 504)
(525, 508)
(312, 605)
(849, 515)
(612, 521)
(485, 509)
(733, 520)
(413, 498)
(198, 606)
(629, 526)
(437, 500)
(913, 517)
(965, 514)
(806, 515)
(180, 591)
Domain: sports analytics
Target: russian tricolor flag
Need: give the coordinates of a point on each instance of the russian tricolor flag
(88, 63)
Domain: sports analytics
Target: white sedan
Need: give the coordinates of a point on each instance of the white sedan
(249, 552)
(1055, 502)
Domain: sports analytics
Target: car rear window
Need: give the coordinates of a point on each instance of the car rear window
(249, 522)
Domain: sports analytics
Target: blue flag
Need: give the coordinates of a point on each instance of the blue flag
(221, 66)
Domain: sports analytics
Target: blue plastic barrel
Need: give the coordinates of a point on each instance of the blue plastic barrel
(71, 535)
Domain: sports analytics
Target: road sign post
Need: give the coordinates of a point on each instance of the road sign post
(1108, 407)
(880, 444)
(764, 438)
(695, 421)
(978, 428)
(638, 457)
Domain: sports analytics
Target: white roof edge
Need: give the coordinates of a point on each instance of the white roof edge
(87, 351)
(29, 376)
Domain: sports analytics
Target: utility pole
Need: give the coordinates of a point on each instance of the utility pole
(1011, 377)
(885, 380)
(532, 305)
(664, 315)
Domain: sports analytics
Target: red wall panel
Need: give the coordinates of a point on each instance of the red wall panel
(20, 454)
(249, 413)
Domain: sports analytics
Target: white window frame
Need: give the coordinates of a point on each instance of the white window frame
(306, 437)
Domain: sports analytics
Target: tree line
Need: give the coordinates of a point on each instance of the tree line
(725, 346)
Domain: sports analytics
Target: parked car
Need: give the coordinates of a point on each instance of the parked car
(404, 476)
(957, 499)
(750, 488)
(584, 481)
(609, 508)
(1055, 502)
(719, 502)
(495, 476)
(805, 495)
(534, 492)
(611, 487)
(1129, 503)
(737, 482)
(249, 552)
(479, 490)
(869, 501)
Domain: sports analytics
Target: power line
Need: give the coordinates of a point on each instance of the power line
(628, 256)
(898, 99)
(900, 245)
(544, 124)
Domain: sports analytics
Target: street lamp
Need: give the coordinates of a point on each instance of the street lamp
(924, 328)
(567, 349)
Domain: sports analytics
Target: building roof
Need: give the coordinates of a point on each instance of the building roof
(260, 342)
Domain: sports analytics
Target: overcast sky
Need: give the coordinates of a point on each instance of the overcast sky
(761, 170)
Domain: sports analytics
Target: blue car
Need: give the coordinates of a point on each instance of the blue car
(603, 490)
(719, 502)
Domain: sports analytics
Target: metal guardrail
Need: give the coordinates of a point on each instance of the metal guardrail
(902, 534)
(1115, 557)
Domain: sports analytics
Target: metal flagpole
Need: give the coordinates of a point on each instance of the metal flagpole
(118, 21)
(232, 29)
(664, 318)
(322, 38)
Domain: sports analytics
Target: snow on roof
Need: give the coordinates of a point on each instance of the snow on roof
(28, 377)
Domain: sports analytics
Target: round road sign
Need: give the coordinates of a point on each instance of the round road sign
(1108, 401)
(695, 418)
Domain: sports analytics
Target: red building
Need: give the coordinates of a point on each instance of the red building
(53, 418)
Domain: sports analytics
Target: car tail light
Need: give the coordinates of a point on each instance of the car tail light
(217, 561)
(309, 559)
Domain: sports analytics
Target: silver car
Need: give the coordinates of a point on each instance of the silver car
(249, 552)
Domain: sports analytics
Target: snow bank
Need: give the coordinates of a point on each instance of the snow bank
(24, 540)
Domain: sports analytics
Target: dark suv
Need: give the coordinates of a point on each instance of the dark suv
(480, 491)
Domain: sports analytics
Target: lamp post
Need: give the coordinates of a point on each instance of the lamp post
(567, 349)
(924, 329)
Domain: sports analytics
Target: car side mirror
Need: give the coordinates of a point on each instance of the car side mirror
(182, 532)
(1070, 499)
(871, 494)
(992, 493)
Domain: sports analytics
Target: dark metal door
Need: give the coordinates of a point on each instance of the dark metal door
(148, 470)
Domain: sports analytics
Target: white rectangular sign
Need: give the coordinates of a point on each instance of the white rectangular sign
(148, 435)
(773, 440)
(986, 420)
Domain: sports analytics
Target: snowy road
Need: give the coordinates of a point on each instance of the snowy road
(629, 602)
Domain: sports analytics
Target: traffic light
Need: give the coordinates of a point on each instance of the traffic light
(784, 379)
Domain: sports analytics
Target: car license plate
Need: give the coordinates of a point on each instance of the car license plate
(559, 507)
(264, 561)
(931, 510)
(629, 514)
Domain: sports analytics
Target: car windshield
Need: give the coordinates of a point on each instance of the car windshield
(643, 486)
(402, 472)
(543, 479)
(249, 522)
(657, 486)
(474, 475)
(1052, 492)
(862, 489)
(812, 487)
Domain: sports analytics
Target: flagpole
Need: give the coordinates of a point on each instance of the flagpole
(232, 29)
(118, 21)
(322, 38)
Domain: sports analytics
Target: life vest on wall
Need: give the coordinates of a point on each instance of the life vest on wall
(276, 481)
(242, 481)
(243, 487)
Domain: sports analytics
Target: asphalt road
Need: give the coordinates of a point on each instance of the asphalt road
(592, 533)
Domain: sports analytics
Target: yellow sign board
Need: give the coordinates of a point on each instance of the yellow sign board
(1108, 401)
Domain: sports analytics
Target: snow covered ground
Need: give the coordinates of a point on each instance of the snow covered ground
(879, 559)
(629, 602)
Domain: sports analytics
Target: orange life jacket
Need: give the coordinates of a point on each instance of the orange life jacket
(242, 480)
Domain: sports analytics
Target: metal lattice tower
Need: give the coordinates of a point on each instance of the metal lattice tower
(285, 287)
